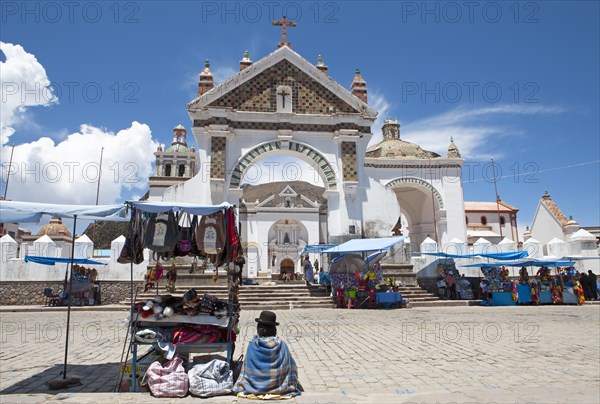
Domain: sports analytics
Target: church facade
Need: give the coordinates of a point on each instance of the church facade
(283, 105)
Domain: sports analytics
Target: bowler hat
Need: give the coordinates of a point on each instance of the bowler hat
(267, 318)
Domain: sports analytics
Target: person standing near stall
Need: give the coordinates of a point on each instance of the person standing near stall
(308, 271)
(451, 285)
(593, 282)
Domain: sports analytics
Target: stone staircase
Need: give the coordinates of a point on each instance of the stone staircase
(292, 294)
(257, 297)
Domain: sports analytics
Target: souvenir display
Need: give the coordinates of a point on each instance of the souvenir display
(194, 322)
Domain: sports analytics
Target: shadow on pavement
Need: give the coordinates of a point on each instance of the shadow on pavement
(95, 378)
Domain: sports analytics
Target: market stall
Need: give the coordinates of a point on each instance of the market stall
(31, 212)
(176, 326)
(83, 288)
(356, 277)
(542, 289)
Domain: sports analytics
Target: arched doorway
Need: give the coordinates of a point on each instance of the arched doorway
(287, 268)
(423, 207)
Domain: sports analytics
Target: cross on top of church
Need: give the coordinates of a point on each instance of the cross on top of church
(283, 23)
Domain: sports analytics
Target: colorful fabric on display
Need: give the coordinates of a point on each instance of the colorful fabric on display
(579, 292)
(268, 369)
(535, 294)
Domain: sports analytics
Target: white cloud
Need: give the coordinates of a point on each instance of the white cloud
(222, 73)
(379, 103)
(67, 172)
(470, 128)
(24, 84)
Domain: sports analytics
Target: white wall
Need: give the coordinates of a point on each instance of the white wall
(545, 227)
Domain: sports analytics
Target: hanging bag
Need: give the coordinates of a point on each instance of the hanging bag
(168, 380)
(162, 232)
(133, 250)
(184, 245)
(211, 234)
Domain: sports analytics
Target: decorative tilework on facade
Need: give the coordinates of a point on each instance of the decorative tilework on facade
(249, 158)
(218, 145)
(349, 161)
(259, 93)
(199, 123)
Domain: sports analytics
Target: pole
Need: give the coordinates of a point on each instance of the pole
(12, 150)
(97, 193)
(497, 199)
(70, 297)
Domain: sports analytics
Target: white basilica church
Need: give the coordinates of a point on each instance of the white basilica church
(283, 105)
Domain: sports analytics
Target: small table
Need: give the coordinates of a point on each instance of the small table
(502, 299)
(389, 298)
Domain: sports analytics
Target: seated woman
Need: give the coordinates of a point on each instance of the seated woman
(268, 365)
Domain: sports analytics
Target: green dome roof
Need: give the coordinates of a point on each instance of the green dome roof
(177, 148)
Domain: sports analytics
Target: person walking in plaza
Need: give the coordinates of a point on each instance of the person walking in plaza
(593, 282)
(308, 271)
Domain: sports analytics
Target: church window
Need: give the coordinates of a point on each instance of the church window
(502, 221)
(286, 239)
(167, 170)
(484, 220)
(181, 171)
(288, 203)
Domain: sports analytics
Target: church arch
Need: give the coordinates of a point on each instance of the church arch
(308, 153)
(420, 183)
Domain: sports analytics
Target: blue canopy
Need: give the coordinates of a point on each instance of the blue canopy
(365, 244)
(534, 263)
(511, 255)
(482, 265)
(22, 212)
(191, 208)
(316, 248)
(541, 263)
(54, 260)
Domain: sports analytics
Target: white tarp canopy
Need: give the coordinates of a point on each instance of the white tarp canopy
(364, 245)
(27, 212)
(191, 208)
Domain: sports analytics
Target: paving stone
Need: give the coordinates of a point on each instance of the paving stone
(460, 354)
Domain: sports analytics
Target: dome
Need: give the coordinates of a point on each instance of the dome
(398, 148)
(54, 228)
(393, 147)
(178, 148)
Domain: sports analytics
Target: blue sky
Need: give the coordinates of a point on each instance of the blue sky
(518, 82)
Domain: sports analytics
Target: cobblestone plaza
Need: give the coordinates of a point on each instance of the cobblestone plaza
(546, 354)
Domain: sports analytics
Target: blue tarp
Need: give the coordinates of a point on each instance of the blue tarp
(483, 265)
(191, 208)
(497, 256)
(316, 248)
(365, 244)
(27, 212)
(534, 263)
(53, 260)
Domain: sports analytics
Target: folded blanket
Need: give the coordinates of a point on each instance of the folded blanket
(268, 369)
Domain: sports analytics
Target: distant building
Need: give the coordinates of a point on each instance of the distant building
(550, 222)
(176, 164)
(278, 220)
(491, 221)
